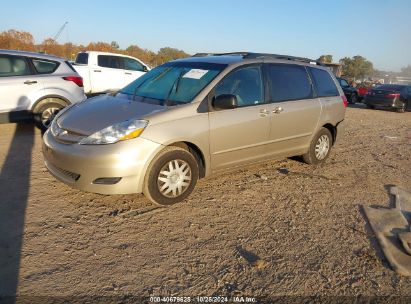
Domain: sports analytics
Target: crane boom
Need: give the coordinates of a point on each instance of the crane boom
(57, 35)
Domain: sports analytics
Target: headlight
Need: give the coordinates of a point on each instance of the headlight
(55, 128)
(122, 131)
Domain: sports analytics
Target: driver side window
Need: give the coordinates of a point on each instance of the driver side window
(245, 84)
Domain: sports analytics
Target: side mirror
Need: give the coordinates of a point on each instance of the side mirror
(225, 101)
(145, 69)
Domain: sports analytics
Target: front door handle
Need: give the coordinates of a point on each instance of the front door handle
(264, 112)
(278, 110)
(97, 71)
(29, 82)
(127, 73)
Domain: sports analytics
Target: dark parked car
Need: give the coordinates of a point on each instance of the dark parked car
(350, 92)
(394, 96)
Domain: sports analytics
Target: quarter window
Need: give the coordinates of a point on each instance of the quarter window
(132, 64)
(107, 61)
(245, 84)
(288, 82)
(45, 67)
(324, 84)
(13, 66)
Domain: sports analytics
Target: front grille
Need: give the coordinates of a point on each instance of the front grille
(70, 176)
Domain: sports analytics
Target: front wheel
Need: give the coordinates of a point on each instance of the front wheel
(171, 176)
(320, 147)
(45, 112)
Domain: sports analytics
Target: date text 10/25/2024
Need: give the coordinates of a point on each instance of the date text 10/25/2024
(203, 299)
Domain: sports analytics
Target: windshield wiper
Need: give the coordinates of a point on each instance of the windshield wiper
(137, 87)
(174, 87)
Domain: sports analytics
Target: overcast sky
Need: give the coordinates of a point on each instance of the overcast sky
(378, 30)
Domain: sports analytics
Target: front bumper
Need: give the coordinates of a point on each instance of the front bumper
(79, 166)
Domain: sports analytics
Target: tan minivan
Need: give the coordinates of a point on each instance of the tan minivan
(193, 117)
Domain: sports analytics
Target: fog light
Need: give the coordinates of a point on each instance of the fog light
(107, 180)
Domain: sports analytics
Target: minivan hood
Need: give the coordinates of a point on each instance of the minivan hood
(97, 113)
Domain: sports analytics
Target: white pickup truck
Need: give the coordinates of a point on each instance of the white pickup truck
(107, 72)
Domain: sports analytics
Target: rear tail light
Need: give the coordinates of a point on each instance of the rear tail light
(393, 95)
(76, 79)
(345, 101)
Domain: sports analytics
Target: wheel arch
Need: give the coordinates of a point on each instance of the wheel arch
(196, 151)
(333, 131)
(42, 98)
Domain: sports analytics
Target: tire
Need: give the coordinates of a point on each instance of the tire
(320, 147)
(177, 161)
(45, 112)
(354, 98)
(402, 110)
(369, 106)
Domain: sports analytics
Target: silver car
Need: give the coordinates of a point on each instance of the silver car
(34, 85)
(193, 117)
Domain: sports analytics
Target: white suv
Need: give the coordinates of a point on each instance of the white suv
(34, 85)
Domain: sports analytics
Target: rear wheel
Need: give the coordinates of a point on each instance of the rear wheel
(320, 147)
(171, 176)
(45, 112)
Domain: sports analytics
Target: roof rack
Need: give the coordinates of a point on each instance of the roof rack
(249, 55)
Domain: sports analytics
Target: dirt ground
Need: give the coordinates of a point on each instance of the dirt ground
(276, 229)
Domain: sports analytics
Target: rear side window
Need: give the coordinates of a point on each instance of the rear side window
(107, 61)
(45, 66)
(324, 84)
(288, 82)
(132, 64)
(13, 66)
(82, 58)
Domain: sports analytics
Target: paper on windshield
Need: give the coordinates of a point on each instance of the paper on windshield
(195, 73)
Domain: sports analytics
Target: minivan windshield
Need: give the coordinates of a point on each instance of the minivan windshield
(174, 82)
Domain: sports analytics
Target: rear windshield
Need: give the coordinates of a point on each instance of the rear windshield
(82, 58)
(174, 82)
(390, 87)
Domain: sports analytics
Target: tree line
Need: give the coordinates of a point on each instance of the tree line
(353, 68)
(24, 41)
(358, 67)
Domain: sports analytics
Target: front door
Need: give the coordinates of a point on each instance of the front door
(133, 70)
(238, 136)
